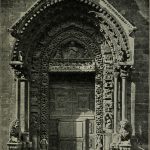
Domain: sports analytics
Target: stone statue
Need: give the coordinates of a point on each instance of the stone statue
(99, 144)
(125, 132)
(43, 144)
(72, 51)
(122, 56)
(124, 136)
(15, 132)
(108, 121)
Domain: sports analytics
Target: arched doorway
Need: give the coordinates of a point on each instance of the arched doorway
(67, 53)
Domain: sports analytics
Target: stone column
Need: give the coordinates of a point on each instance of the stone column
(25, 100)
(123, 77)
(125, 127)
(116, 73)
(26, 106)
(133, 91)
(22, 105)
(14, 142)
(18, 98)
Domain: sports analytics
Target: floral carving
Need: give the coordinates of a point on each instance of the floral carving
(72, 66)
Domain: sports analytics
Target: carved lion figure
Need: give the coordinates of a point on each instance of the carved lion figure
(15, 131)
(124, 135)
(125, 132)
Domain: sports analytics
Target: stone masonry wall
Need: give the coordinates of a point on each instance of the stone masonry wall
(135, 11)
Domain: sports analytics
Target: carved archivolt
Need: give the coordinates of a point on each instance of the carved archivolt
(49, 60)
(113, 26)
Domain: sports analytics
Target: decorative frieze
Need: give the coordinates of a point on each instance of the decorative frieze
(57, 66)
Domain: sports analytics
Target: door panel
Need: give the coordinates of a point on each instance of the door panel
(90, 132)
(71, 109)
(53, 134)
(72, 135)
(75, 129)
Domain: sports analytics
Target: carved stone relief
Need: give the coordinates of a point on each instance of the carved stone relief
(71, 66)
(15, 132)
(63, 49)
(100, 38)
(71, 50)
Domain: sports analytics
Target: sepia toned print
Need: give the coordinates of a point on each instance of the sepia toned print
(74, 75)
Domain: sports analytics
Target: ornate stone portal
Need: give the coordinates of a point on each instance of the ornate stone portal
(87, 39)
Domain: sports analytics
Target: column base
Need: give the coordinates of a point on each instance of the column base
(117, 144)
(26, 144)
(121, 147)
(107, 140)
(124, 146)
(14, 146)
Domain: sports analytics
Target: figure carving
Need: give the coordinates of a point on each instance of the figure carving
(99, 143)
(125, 132)
(72, 51)
(122, 56)
(108, 106)
(20, 57)
(43, 144)
(108, 122)
(124, 136)
(15, 132)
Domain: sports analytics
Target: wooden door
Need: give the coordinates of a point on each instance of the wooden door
(72, 111)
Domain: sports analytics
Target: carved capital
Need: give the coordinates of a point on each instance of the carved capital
(124, 74)
(116, 74)
(125, 71)
(116, 70)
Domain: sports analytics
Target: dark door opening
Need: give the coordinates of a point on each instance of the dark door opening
(72, 111)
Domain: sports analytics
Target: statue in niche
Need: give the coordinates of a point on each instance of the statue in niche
(122, 56)
(72, 50)
(108, 122)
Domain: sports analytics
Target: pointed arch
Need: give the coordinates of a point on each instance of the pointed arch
(114, 27)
